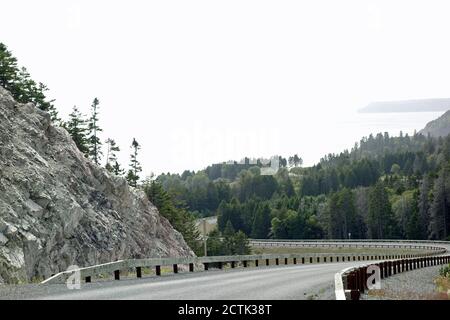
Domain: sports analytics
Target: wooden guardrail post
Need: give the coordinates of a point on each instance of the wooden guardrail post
(267, 262)
(138, 272)
(318, 259)
(303, 260)
(285, 260)
(295, 261)
(277, 261)
(158, 270)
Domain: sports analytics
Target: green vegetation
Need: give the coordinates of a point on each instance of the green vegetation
(385, 187)
(18, 81)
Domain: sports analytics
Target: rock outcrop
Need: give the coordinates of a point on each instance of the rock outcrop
(58, 209)
(439, 127)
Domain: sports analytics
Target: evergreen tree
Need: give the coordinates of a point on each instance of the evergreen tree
(117, 169)
(262, 223)
(111, 157)
(135, 166)
(177, 215)
(76, 126)
(440, 208)
(19, 83)
(380, 219)
(423, 206)
(95, 151)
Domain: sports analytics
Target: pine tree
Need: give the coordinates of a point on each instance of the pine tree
(95, 151)
(423, 207)
(76, 126)
(19, 83)
(135, 166)
(262, 223)
(117, 169)
(380, 219)
(111, 156)
(440, 208)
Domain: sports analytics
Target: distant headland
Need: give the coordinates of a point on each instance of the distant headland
(420, 105)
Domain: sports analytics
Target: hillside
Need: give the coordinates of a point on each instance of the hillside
(58, 209)
(421, 105)
(439, 127)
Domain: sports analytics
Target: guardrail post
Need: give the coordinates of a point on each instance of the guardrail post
(395, 264)
(285, 260)
(87, 279)
(232, 264)
(295, 260)
(303, 260)
(318, 259)
(267, 262)
(245, 263)
(256, 263)
(191, 267)
(117, 275)
(337, 259)
(331, 259)
(310, 260)
(381, 267)
(277, 261)
(138, 272)
(175, 268)
(158, 270)
(206, 266)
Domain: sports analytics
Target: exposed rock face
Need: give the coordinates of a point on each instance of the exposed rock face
(439, 127)
(58, 209)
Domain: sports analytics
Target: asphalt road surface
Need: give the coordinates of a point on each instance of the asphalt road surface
(273, 282)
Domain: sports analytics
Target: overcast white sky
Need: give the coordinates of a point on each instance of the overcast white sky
(198, 82)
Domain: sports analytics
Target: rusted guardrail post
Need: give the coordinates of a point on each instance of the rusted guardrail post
(158, 270)
(138, 272)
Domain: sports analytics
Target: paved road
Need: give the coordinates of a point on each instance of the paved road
(277, 282)
(273, 282)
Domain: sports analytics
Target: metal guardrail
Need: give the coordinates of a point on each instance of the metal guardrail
(115, 268)
(352, 282)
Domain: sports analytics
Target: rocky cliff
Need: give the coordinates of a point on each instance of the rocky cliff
(58, 209)
(439, 127)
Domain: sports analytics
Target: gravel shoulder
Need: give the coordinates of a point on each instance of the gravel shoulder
(411, 285)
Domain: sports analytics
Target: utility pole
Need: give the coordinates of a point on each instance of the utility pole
(205, 237)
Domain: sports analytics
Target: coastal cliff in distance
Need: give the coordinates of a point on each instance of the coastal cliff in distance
(422, 105)
(439, 127)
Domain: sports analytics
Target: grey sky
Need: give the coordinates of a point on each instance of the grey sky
(198, 82)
